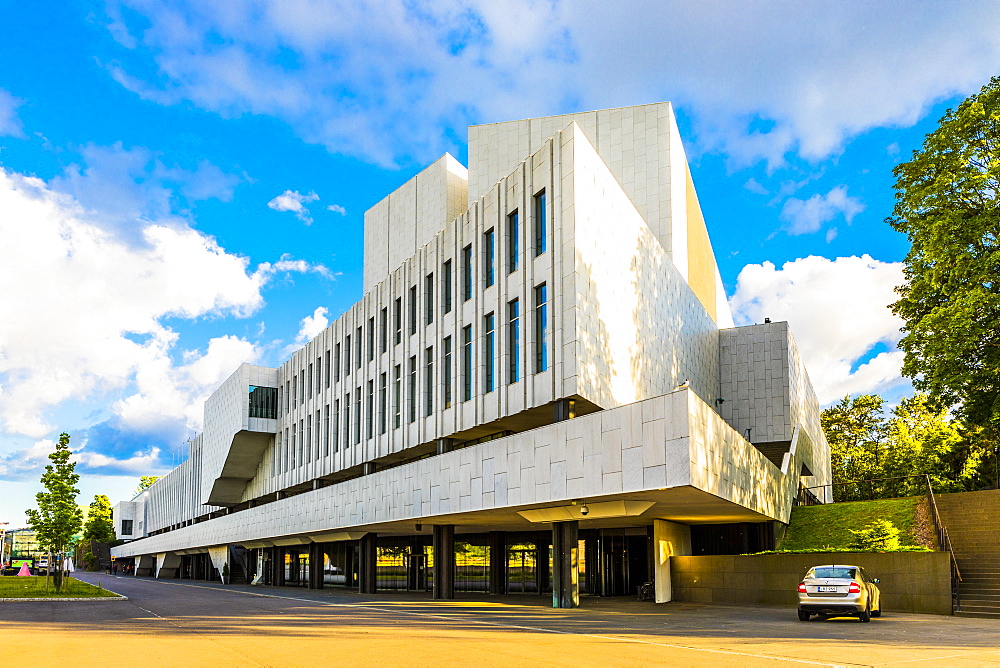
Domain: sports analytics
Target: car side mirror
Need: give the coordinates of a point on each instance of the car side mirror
(875, 580)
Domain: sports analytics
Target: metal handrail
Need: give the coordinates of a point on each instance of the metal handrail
(856, 482)
(944, 540)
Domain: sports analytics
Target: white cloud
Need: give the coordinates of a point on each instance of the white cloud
(121, 186)
(10, 124)
(311, 327)
(336, 208)
(754, 186)
(838, 313)
(383, 80)
(809, 215)
(294, 201)
(84, 317)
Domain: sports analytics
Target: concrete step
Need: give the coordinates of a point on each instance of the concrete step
(980, 615)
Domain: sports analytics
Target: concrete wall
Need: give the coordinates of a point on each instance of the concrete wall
(909, 581)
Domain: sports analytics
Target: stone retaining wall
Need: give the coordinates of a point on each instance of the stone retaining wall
(909, 581)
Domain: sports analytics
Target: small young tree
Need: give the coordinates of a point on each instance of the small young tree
(57, 517)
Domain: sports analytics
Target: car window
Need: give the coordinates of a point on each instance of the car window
(834, 572)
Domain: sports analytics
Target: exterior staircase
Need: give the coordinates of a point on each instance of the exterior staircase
(973, 523)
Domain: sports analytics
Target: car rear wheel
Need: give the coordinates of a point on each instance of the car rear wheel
(865, 615)
(877, 613)
(804, 615)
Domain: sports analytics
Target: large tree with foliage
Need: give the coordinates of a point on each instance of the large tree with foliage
(145, 482)
(99, 525)
(873, 453)
(948, 205)
(57, 517)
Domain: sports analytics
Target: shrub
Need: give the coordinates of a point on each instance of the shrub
(878, 535)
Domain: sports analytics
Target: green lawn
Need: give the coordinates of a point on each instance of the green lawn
(12, 586)
(819, 527)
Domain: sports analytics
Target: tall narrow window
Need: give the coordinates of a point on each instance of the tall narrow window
(541, 224)
(319, 375)
(446, 374)
(276, 455)
(446, 287)
(287, 395)
(467, 273)
(428, 299)
(335, 427)
(514, 340)
(292, 449)
(413, 309)
(412, 390)
(370, 410)
(383, 330)
(381, 403)
(347, 420)
(295, 380)
(347, 355)
(513, 242)
(397, 397)
(429, 381)
(302, 442)
(326, 430)
(541, 327)
(489, 258)
(326, 364)
(358, 417)
(279, 395)
(302, 387)
(489, 350)
(285, 457)
(467, 380)
(309, 439)
(336, 363)
(371, 338)
(397, 321)
(308, 387)
(357, 348)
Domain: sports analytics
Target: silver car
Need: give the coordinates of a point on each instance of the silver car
(836, 590)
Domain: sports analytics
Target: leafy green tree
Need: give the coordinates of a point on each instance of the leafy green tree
(99, 525)
(923, 439)
(145, 482)
(855, 429)
(57, 517)
(948, 205)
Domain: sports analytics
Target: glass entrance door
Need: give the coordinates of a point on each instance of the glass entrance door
(522, 569)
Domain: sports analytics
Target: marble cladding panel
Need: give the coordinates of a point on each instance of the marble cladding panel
(640, 329)
(410, 216)
(635, 143)
(671, 440)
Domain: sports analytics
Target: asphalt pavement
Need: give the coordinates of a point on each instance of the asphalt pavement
(174, 622)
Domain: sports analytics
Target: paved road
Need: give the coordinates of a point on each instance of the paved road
(173, 623)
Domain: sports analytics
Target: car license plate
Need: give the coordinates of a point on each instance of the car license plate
(824, 590)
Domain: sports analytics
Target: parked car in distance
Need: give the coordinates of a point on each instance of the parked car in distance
(837, 590)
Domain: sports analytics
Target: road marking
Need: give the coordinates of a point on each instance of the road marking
(454, 618)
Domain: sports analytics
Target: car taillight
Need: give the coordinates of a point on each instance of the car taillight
(802, 587)
(855, 588)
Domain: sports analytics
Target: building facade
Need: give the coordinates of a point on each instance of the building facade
(540, 390)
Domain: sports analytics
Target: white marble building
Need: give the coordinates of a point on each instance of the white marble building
(542, 333)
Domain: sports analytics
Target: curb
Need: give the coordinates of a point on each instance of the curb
(89, 598)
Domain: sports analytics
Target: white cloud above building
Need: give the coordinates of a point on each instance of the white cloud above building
(839, 313)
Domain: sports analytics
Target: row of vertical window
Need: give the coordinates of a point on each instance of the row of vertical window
(315, 438)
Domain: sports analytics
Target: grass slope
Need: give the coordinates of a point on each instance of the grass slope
(829, 526)
(12, 586)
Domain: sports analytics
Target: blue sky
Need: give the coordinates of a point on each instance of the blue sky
(183, 185)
